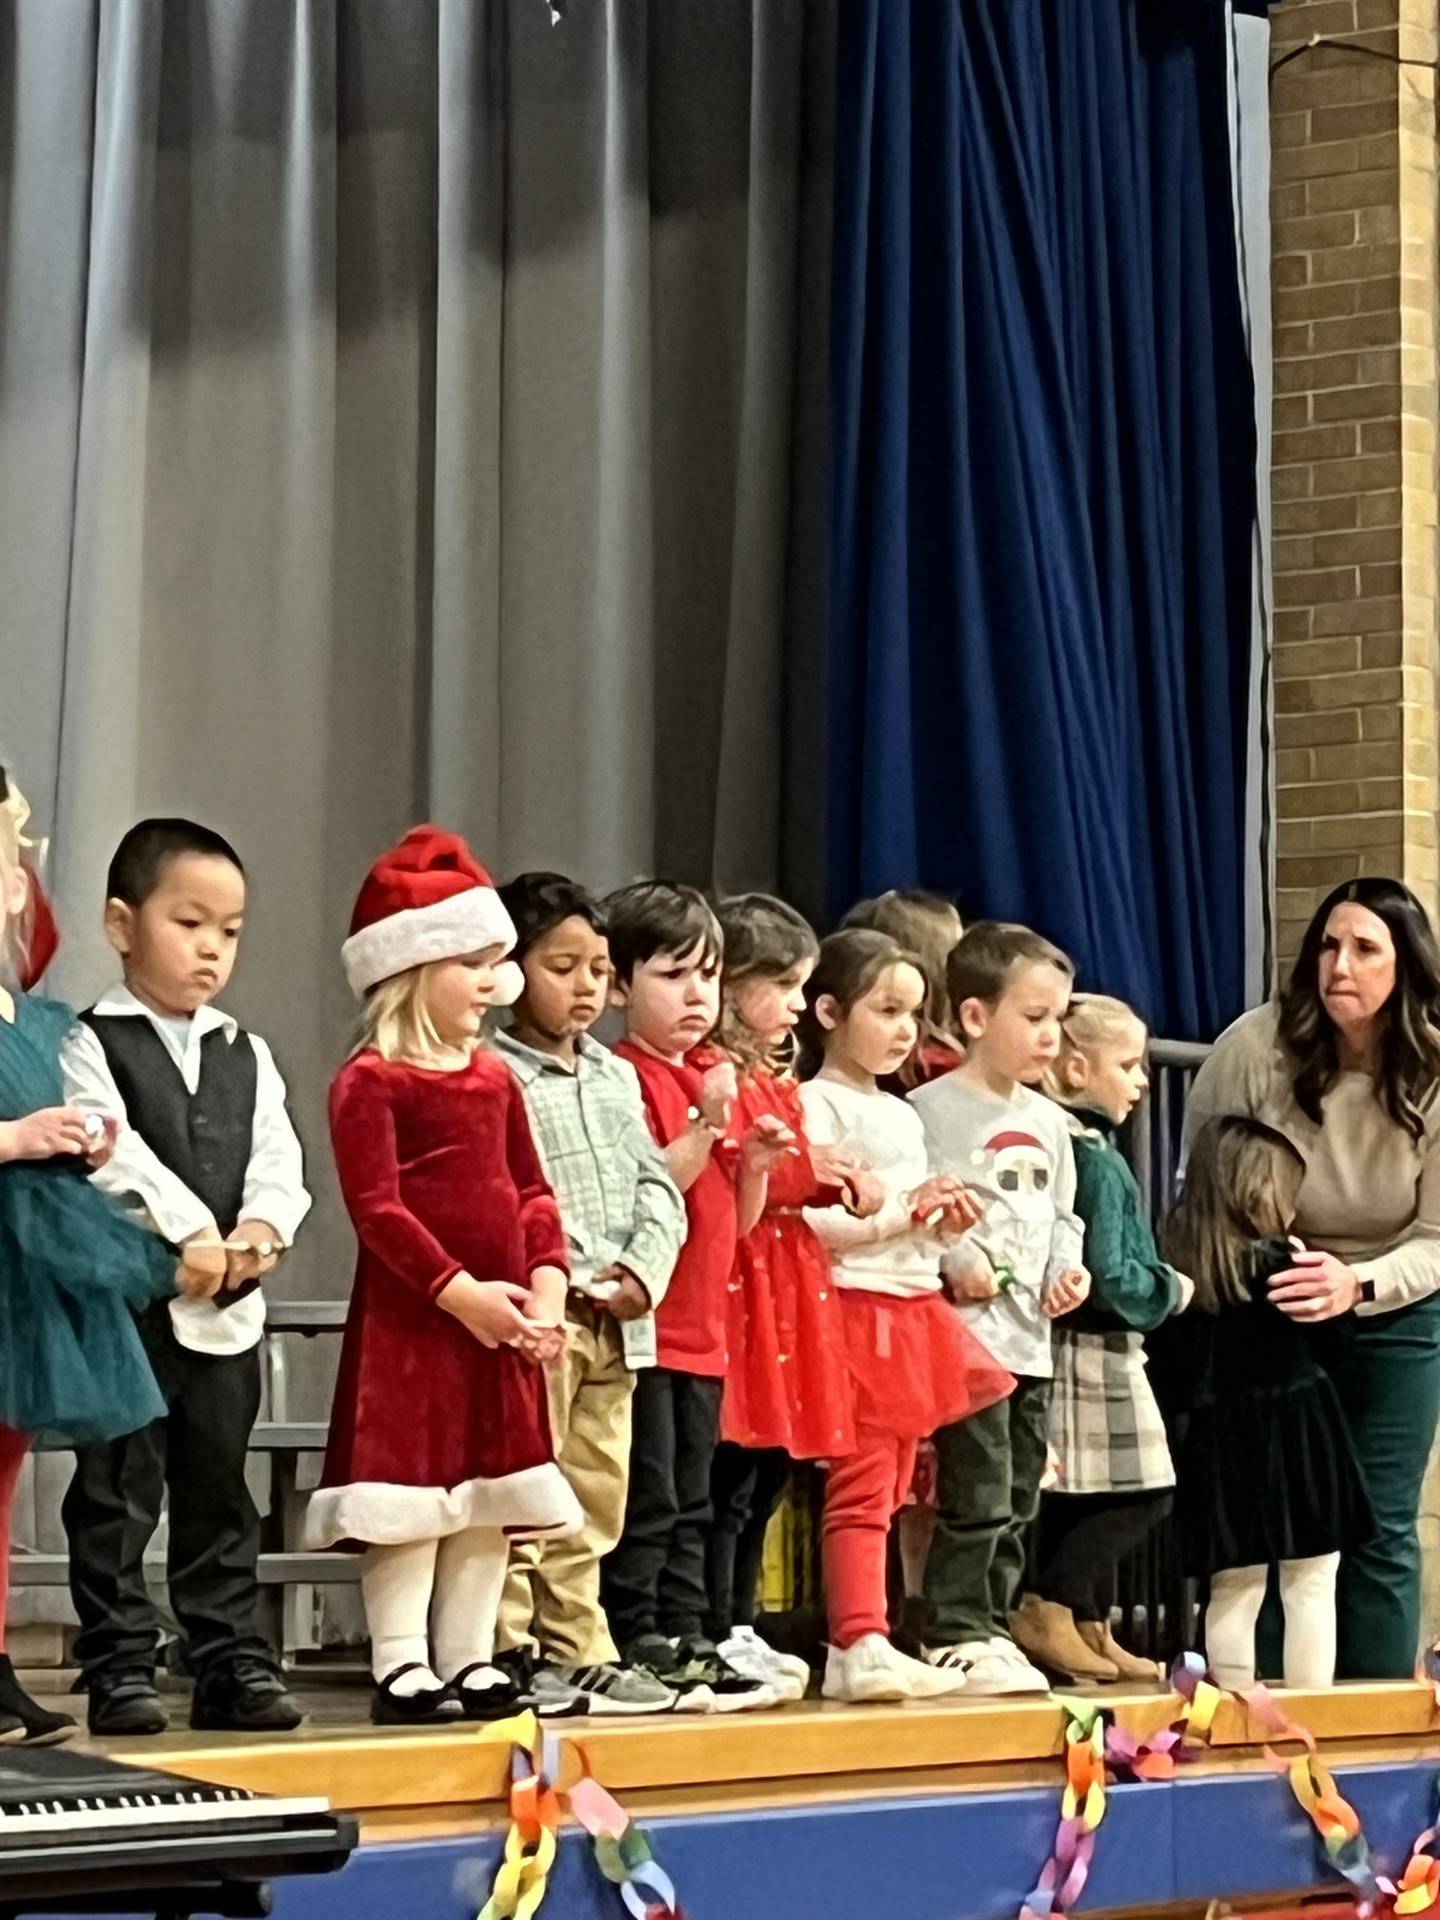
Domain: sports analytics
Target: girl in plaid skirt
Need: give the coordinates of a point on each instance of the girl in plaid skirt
(1114, 1474)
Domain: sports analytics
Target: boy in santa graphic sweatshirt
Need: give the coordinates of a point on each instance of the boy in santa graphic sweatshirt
(1015, 1272)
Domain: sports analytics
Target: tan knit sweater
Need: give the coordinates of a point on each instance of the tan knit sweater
(1371, 1194)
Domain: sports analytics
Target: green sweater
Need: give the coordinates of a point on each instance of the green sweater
(1131, 1288)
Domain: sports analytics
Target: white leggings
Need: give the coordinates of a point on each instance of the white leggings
(446, 1591)
(1307, 1592)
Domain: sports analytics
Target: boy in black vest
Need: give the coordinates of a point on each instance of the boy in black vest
(207, 1148)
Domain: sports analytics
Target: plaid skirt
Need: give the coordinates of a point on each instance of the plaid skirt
(1105, 1425)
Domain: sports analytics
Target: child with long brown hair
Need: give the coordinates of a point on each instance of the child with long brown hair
(787, 1391)
(929, 928)
(1266, 1469)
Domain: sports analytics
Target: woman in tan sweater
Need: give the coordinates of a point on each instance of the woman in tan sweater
(1346, 1065)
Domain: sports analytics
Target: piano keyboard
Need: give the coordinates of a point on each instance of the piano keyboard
(227, 1806)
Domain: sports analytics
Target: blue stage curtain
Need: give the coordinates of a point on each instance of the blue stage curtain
(1042, 452)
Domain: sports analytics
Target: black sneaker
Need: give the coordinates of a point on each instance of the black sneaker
(245, 1696)
(125, 1704)
(39, 1728)
(695, 1673)
(699, 1667)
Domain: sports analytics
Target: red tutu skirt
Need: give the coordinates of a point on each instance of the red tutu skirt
(788, 1383)
(914, 1364)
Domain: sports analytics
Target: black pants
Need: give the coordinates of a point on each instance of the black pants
(746, 1484)
(1083, 1537)
(654, 1580)
(197, 1455)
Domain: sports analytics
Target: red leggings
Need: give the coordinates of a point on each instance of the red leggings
(13, 1449)
(862, 1496)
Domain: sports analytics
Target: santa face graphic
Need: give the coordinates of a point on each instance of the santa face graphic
(1019, 1172)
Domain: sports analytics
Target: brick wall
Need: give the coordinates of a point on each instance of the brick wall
(1353, 208)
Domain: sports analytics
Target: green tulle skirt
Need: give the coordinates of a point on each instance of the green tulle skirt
(74, 1271)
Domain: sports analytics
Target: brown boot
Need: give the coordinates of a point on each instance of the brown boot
(1130, 1666)
(1047, 1632)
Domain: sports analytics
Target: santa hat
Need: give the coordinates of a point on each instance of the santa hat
(427, 899)
(1002, 1142)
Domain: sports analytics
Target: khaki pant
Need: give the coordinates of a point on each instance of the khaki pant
(551, 1603)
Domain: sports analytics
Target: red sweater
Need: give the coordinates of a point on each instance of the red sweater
(690, 1322)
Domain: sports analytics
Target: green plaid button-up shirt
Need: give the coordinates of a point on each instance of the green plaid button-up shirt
(616, 1196)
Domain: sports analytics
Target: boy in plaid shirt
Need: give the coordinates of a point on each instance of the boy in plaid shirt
(625, 1222)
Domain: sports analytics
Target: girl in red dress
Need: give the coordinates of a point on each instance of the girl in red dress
(787, 1392)
(440, 1451)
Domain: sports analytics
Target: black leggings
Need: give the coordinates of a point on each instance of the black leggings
(745, 1488)
(1083, 1537)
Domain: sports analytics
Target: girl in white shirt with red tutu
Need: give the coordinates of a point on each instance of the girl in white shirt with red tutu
(913, 1363)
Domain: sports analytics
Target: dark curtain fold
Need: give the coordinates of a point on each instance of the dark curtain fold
(1043, 447)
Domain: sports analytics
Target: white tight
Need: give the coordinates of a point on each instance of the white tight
(1307, 1591)
(441, 1591)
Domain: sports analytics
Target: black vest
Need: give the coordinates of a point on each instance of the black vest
(204, 1138)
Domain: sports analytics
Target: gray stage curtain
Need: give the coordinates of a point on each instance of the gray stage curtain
(409, 408)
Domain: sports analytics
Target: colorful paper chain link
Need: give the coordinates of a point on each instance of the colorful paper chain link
(1092, 1740)
(539, 1764)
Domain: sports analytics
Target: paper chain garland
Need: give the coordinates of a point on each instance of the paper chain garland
(1093, 1742)
(539, 1766)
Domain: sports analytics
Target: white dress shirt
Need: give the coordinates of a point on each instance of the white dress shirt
(274, 1180)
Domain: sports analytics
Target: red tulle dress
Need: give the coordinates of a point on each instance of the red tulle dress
(788, 1384)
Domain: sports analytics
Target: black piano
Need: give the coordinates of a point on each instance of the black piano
(80, 1834)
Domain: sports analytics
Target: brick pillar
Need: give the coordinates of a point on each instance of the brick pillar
(1354, 217)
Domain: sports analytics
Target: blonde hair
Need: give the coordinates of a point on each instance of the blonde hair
(1093, 1021)
(14, 812)
(395, 1018)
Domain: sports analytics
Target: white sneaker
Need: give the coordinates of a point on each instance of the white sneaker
(1021, 1670)
(872, 1671)
(786, 1675)
(992, 1666)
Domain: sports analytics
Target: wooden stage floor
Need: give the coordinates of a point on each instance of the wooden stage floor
(414, 1785)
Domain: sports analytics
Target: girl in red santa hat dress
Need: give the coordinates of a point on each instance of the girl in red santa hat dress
(440, 1451)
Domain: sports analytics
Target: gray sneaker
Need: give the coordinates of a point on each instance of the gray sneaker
(555, 1696)
(615, 1689)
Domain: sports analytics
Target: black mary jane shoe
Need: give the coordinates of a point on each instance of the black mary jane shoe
(430, 1707)
(492, 1699)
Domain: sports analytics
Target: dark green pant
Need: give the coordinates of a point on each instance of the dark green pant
(1388, 1374)
(990, 1469)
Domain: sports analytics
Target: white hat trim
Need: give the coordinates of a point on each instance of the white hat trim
(465, 923)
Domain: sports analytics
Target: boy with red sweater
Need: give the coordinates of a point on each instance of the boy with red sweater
(665, 951)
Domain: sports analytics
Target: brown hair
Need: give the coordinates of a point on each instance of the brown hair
(1242, 1180)
(764, 938)
(1410, 1022)
(927, 925)
(981, 966)
(850, 963)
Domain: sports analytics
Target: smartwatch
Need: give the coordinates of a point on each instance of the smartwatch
(1367, 1293)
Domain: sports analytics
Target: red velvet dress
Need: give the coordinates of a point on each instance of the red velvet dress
(788, 1385)
(430, 1431)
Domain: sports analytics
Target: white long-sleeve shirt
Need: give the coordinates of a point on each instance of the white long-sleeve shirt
(887, 1253)
(1015, 1156)
(274, 1179)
